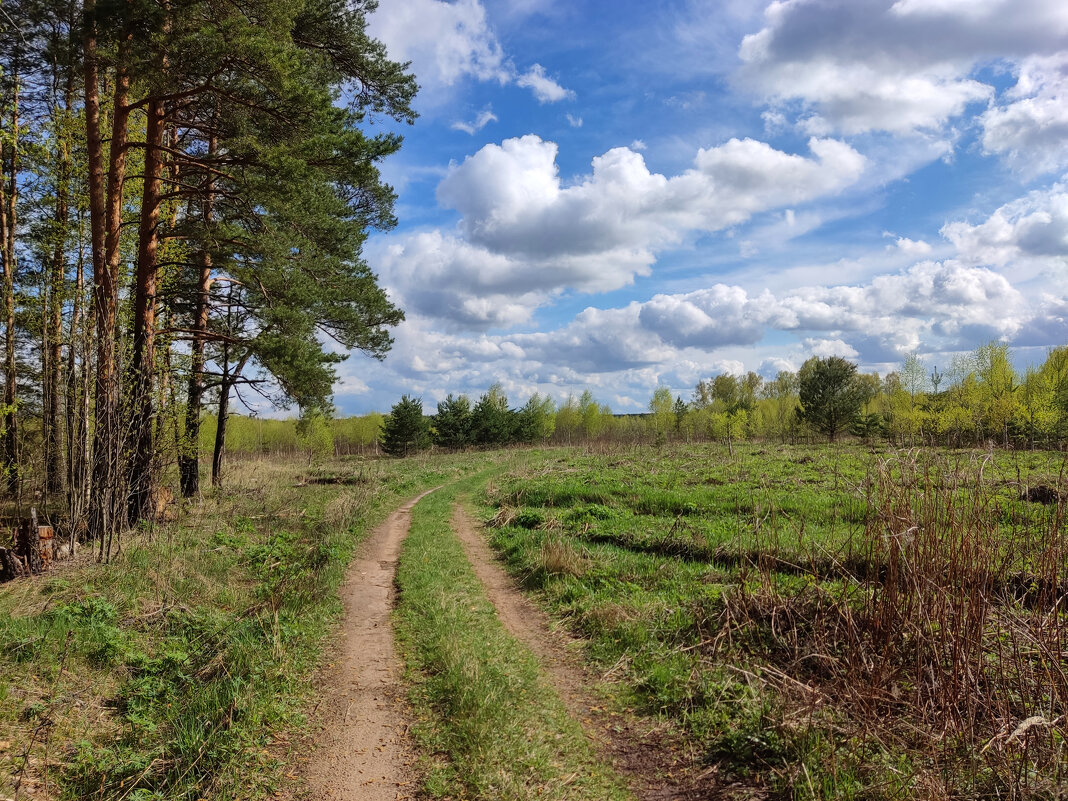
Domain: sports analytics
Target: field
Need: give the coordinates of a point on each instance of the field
(817, 622)
(774, 622)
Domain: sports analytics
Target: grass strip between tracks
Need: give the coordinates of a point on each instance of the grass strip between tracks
(497, 728)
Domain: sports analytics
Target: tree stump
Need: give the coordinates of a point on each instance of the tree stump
(28, 545)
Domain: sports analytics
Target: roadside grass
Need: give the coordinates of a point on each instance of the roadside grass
(498, 730)
(181, 669)
(823, 622)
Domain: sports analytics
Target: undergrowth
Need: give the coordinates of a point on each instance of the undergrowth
(823, 622)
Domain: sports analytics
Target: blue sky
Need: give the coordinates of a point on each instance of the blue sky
(631, 194)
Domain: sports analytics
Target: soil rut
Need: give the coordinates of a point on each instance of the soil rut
(657, 766)
(363, 752)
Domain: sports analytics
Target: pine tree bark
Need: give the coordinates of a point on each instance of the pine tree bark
(142, 464)
(106, 500)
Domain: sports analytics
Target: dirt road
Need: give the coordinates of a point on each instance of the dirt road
(363, 753)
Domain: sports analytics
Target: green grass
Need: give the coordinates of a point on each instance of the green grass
(180, 669)
(739, 599)
(499, 729)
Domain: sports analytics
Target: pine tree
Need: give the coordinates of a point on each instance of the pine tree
(452, 423)
(831, 394)
(493, 424)
(406, 431)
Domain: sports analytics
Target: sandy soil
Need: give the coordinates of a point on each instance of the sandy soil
(363, 753)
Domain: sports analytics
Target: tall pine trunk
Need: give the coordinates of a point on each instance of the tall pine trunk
(105, 206)
(142, 465)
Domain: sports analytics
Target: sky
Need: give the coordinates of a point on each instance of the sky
(620, 196)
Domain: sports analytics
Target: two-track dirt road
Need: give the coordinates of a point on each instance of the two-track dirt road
(363, 752)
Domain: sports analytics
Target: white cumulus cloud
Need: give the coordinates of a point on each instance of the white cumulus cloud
(1030, 129)
(1030, 233)
(524, 236)
(444, 41)
(899, 66)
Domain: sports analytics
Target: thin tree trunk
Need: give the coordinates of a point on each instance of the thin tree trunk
(142, 466)
(53, 345)
(229, 378)
(77, 409)
(220, 425)
(8, 224)
(189, 452)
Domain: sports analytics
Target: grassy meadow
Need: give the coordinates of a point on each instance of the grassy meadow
(805, 621)
(821, 622)
(490, 725)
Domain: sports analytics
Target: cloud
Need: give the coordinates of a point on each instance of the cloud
(910, 247)
(707, 318)
(573, 121)
(524, 236)
(1030, 233)
(675, 339)
(445, 42)
(1031, 131)
(825, 348)
(545, 89)
(448, 42)
(484, 118)
(512, 200)
(932, 305)
(901, 66)
(466, 286)
(948, 301)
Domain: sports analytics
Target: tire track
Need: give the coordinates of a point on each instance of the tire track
(658, 766)
(363, 752)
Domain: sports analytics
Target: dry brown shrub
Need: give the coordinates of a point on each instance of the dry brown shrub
(609, 615)
(504, 516)
(950, 647)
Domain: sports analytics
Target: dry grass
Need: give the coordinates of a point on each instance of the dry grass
(559, 556)
(951, 651)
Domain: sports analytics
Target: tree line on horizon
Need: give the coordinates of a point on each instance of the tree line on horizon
(185, 188)
(977, 399)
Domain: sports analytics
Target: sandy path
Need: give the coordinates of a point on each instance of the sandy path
(656, 768)
(363, 754)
